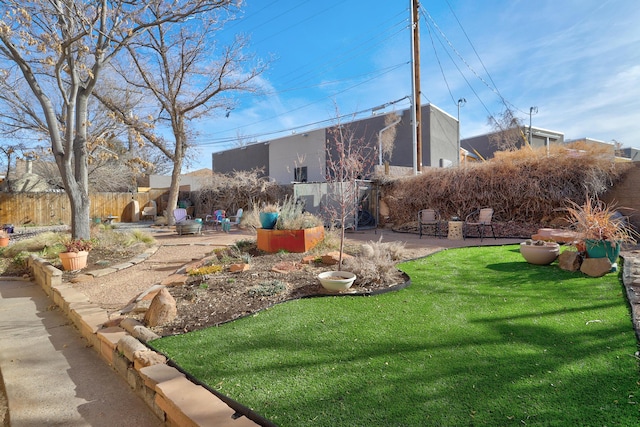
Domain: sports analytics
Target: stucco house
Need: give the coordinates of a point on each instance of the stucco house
(483, 147)
(301, 157)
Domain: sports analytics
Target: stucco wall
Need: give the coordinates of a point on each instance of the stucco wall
(246, 158)
(304, 149)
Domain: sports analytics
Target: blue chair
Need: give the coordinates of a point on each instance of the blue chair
(215, 219)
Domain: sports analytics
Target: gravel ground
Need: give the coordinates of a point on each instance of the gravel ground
(114, 291)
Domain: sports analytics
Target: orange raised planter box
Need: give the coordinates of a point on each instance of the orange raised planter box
(289, 240)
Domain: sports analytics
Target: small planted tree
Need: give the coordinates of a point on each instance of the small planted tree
(348, 160)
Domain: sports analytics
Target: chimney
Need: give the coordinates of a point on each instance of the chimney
(29, 165)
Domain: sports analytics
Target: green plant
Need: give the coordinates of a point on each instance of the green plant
(139, 236)
(597, 220)
(267, 289)
(293, 217)
(204, 286)
(203, 271)
(20, 259)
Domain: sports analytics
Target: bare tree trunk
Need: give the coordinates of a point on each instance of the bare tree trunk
(174, 190)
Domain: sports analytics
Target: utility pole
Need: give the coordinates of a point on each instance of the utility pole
(532, 111)
(415, 74)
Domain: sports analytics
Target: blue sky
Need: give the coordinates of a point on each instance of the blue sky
(577, 61)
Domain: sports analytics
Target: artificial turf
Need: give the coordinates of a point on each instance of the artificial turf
(479, 338)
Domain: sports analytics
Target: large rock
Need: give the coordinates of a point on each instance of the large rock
(570, 260)
(596, 267)
(162, 309)
(332, 258)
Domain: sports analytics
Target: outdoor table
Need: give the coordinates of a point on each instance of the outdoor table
(455, 230)
(109, 219)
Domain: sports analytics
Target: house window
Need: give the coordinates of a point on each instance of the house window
(300, 174)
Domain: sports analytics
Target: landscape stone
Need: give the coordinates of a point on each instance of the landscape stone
(332, 258)
(596, 267)
(309, 259)
(236, 268)
(144, 358)
(570, 261)
(162, 310)
(175, 280)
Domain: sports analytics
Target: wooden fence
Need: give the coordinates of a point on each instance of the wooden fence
(54, 208)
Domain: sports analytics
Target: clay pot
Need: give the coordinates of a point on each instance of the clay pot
(72, 261)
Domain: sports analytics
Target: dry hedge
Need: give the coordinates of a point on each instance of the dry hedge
(240, 189)
(524, 186)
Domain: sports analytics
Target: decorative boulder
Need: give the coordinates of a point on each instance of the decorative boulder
(162, 309)
(570, 260)
(596, 267)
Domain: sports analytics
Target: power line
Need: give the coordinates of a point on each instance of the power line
(308, 104)
(464, 61)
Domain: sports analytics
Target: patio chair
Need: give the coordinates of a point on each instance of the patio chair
(150, 211)
(215, 219)
(180, 215)
(479, 218)
(235, 219)
(429, 218)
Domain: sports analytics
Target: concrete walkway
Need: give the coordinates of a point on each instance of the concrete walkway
(51, 377)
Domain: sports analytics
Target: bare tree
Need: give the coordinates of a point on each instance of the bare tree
(507, 131)
(9, 152)
(60, 48)
(348, 159)
(180, 70)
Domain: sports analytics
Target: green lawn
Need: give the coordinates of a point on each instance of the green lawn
(479, 338)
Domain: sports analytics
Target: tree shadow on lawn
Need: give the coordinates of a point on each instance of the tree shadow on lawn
(500, 368)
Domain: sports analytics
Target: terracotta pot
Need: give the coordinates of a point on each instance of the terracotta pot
(540, 254)
(73, 260)
(4, 241)
(336, 281)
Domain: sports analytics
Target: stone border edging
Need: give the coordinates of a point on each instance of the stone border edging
(631, 282)
(170, 395)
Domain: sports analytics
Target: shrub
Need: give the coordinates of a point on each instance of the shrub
(77, 245)
(267, 289)
(376, 262)
(206, 270)
(598, 221)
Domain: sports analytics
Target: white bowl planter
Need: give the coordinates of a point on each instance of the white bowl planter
(336, 280)
(542, 253)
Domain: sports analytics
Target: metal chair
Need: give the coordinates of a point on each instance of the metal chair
(180, 215)
(215, 219)
(429, 218)
(235, 219)
(479, 218)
